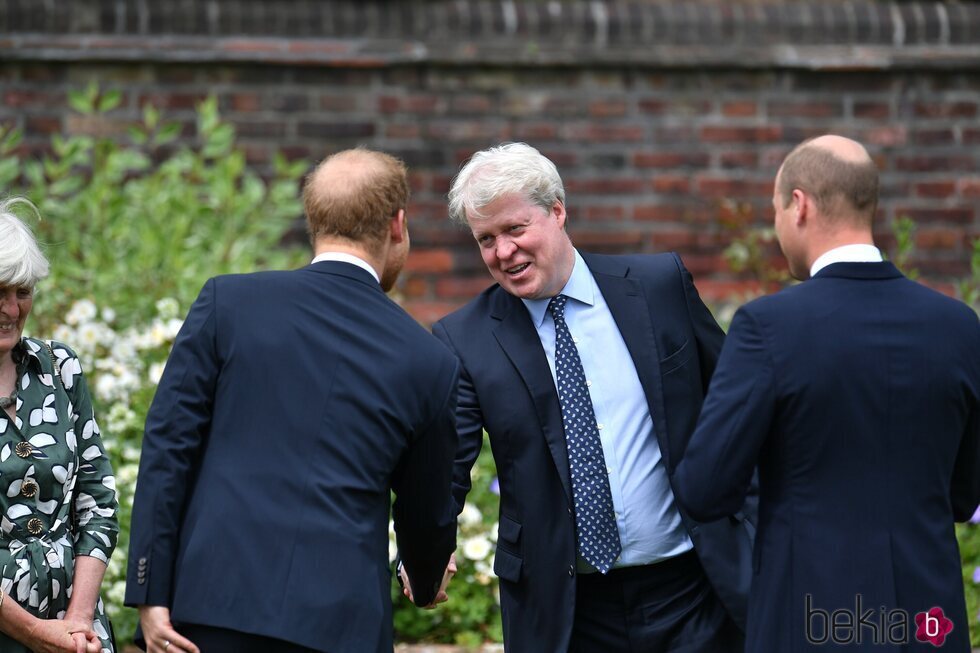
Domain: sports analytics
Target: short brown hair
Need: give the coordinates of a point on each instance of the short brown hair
(353, 194)
(839, 188)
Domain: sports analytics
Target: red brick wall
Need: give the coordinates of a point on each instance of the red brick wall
(657, 153)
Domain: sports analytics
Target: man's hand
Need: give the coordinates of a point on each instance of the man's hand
(160, 634)
(441, 595)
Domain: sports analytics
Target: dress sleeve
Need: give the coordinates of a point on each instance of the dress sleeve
(96, 508)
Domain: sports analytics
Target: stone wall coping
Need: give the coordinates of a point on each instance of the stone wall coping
(804, 34)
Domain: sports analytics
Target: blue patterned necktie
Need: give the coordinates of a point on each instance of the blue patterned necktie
(595, 521)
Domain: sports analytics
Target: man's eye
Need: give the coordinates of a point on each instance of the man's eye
(24, 293)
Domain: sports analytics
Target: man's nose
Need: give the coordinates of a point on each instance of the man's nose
(505, 248)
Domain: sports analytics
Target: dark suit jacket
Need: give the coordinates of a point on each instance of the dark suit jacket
(856, 393)
(507, 388)
(291, 405)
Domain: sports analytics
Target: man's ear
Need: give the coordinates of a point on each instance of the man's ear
(558, 211)
(398, 227)
(801, 207)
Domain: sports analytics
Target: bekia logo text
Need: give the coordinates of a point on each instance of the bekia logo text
(881, 626)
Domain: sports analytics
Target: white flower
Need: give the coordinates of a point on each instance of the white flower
(108, 315)
(392, 551)
(159, 334)
(156, 371)
(173, 327)
(63, 333)
(81, 311)
(470, 516)
(476, 547)
(88, 336)
(167, 308)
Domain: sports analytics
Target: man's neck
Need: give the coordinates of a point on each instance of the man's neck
(331, 245)
(838, 239)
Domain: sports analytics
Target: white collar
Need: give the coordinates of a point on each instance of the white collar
(578, 286)
(343, 257)
(846, 254)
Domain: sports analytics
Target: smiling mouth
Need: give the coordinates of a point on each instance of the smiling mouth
(517, 269)
(7, 327)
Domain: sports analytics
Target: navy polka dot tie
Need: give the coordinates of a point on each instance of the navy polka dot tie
(595, 521)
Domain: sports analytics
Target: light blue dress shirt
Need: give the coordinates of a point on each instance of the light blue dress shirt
(650, 527)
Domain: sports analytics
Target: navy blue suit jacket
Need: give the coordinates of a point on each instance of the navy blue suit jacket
(856, 393)
(506, 387)
(292, 404)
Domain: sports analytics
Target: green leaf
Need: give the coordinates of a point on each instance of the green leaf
(11, 140)
(136, 134)
(9, 169)
(80, 102)
(168, 133)
(109, 101)
(34, 173)
(67, 185)
(150, 117)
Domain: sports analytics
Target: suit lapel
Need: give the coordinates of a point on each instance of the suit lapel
(519, 340)
(630, 310)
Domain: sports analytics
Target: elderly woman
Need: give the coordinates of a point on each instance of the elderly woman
(57, 492)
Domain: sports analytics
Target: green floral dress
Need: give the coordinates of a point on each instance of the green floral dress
(52, 464)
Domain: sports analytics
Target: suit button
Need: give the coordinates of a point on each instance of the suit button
(141, 573)
(143, 561)
(34, 526)
(141, 581)
(29, 488)
(571, 571)
(23, 449)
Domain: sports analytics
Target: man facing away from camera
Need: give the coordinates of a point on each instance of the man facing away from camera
(587, 372)
(856, 395)
(293, 402)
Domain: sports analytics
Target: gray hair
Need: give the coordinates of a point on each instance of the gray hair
(21, 261)
(504, 170)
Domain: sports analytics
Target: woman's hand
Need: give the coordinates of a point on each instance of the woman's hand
(55, 636)
(81, 630)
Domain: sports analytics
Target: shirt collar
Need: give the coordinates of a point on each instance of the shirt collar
(846, 254)
(24, 354)
(578, 287)
(343, 257)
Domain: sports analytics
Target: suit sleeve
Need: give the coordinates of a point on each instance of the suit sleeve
(424, 511)
(469, 425)
(708, 334)
(715, 475)
(965, 485)
(176, 430)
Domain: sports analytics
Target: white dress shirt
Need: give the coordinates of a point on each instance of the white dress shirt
(847, 254)
(348, 258)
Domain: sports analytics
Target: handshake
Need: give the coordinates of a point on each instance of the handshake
(441, 595)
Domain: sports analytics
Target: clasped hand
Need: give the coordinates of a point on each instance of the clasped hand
(64, 636)
(441, 595)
